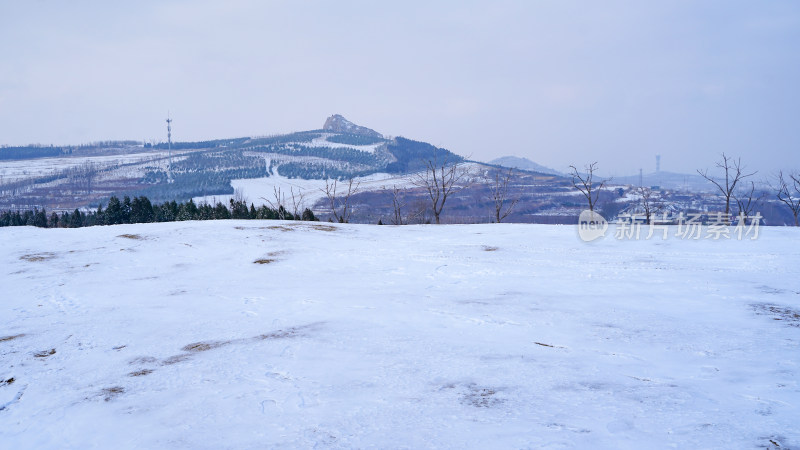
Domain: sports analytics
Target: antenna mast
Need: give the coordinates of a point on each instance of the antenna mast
(169, 148)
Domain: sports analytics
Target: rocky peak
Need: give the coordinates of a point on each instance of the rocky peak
(338, 124)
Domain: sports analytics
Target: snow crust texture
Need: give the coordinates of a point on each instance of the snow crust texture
(266, 334)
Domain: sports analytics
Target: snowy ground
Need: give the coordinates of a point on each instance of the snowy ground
(255, 190)
(323, 141)
(250, 334)
(13, 170)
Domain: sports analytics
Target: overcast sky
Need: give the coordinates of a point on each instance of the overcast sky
(559, 82)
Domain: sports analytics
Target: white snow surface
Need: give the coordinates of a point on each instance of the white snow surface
(459, 336)
(323, 141)
(256, 190)
(12, 170)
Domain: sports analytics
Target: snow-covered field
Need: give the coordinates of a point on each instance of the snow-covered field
(256, 190)
(323, 141)
(251, 334)
(14, 170)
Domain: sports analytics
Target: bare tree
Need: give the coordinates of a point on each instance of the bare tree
(499, 195)
(788, 192)
(82, 177)
(278, 203)
(419, 212)
(585, 183)
(649, 205)
(733, 175)
(748, 200)
(441, 180)
(298, 202)
(340, 204)
(397, 205)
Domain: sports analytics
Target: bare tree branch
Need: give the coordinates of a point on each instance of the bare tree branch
(278, 203)
(586, 185)
(397, 205)
(788, 192)
(733, 170)
(648, 203)
(298, 202)
(499, 195)
(748, 201)
(340, 205)
(442, 180)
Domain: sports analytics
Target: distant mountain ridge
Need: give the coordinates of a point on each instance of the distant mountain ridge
(524, 164)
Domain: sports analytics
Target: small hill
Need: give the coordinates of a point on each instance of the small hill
(524, 164)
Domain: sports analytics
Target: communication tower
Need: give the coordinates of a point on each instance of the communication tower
(169, 148)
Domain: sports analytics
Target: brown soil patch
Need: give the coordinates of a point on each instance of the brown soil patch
(323, 227)
(132, 236)
(11, 338)
(278, 227)
(781, 313)
(140, 373)
(45, 353)
(143, 360)
(34, 257)
(110, 392)
(489, 248)
(204, 346)
(175, 359)
(264, 261)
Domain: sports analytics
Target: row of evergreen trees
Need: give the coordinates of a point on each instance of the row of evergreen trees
(141, 210)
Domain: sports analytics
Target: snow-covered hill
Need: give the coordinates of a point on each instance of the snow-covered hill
(249, 334)
(524, 164)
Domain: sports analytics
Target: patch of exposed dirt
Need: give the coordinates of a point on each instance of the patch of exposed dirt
(140, 373)
(278, 227)
(264, 261)
(11, 338)
(489, 248)
(289, 332)
(321, 227)
(119, 347)
(481, 397)
(132, 236)
(7, 382)
(35, 257)
(204, 346)
(280, 334)
(789, 316)
(110, 393)
(143, 360)
(477, 396)
(175, 359)
(45, 353)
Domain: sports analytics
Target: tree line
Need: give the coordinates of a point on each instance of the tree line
(141, 210)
